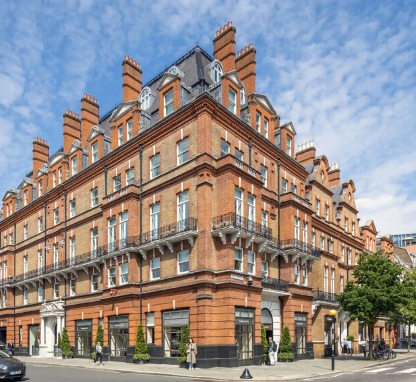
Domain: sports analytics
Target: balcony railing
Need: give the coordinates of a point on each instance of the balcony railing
(233, 220)
(298, 245)
(275, 284)
(169, 230)
(319, 295)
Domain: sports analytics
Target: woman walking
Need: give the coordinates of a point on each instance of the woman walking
(191, 353)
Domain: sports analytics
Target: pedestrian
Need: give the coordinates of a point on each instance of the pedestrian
(272, 349)
(98, 353)
(363, 347)
(349, 347)
(191, 352)
(10, 347)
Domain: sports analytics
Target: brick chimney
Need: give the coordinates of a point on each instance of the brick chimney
(72, 129)
(224, 46)
(40, 154)
(306, 153)
(334, 175)
(132, 79)
(89, 116)
(245, 64)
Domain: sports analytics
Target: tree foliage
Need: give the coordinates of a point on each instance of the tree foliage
(65, 345)
(285, 348)
(185, 336)
(141, 351)
(99, 337)
(264, 342)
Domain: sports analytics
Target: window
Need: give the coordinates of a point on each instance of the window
(322, 243)
(284, 186)
(326, 212)
(238, 205)
(74, 166)
(242, 96)
(263, 173)
(297, 228)
(217, 72)
(26, 197)
(56, 216)
(94, 152)
(94, 197)
(111, 276)
(182, 149)
(305, 275)
(168, 102)
(305, 234)
(60, 175)
(25, 231)
(326, 279)
(239, 155)
(40, 293)
(330, 246)
(183, 210)
(356, 258)
(251, 263)
(341, 284)
(55, 256)
(155, 268)
(72, 208)
(130, 176)
(145, 98)
(264, 269)
(238, 259)
(94, 242)
(11, 238)
(317, 207)
(124, 228)
(346, 224)
(124, 273)
(56, 289)
(25, 266)
(40, 191)
(183, 261)
(72, 287)
(25, 296)
(150, 328)
(154, 166)
(296, 272)
(266, 127)
(232, 95)
(293, 188)
(120, 136)
(154, 221)
(332, 280)
(117, 182)
(349, 256)
(225, 147)
(129, 129)
(251, 200)
(94, 282)
(342, 254)
(112, 234)
(40, 224)
(258, 122)
(72, 250)
(264, 222)
(289, 146)
(40, 262)
(352, 228)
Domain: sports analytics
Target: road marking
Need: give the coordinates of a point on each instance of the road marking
(407, 371)
(379, 370)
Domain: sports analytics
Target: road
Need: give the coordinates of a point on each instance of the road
(42, 373)
(401, 371)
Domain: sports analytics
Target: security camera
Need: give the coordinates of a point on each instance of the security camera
(249, 280)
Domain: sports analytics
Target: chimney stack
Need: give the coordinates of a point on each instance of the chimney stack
(306, 153)
(40, 154)
(245, 64)
(132, 79)
(224, 46)
(89, 116)
(72, 129)
(334, 175)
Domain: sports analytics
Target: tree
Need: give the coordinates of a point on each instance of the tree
(140, 351)
(99, 337)
(264, 342)
(185, 336)
(65, 345)
(36, 345)
(285, 348)
(374, 291)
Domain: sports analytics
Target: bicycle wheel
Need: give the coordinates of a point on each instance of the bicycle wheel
(386, 355)
(393, 354)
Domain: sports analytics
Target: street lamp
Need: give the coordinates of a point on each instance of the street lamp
(333, 318)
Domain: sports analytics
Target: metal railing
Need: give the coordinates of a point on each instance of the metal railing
(319, 295)
(275, 284)
(237, 221)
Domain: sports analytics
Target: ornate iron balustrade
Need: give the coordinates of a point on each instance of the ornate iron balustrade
(275, 284)
(237, 221)
(170, 230)
(319, 295)
(300, 246)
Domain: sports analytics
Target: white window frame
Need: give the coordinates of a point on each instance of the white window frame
(130, 176)
(284, 185)
(120, 135)
(239, 204)
(25, 231)
(183, 210)
(145, 98)
(94, 242)
(155, 268)
(112, 234)
(264, 221)
(155, 166)
(40, 192)
(264, 269)
(72, 286)
(168, 102)
(94, 282)
(332, 281)
(129, 129)
(251, 211)
(258, 122)
(117, 183)
(25, 296)
(326, 212)
(55, 256)
(341, 283)
(40, 224)
(266, 127)
(263, 173)
(217, 72)
(296, 227)
(40, 262)
(296, 272)
(74, 164)
(40, 293)
(56, 290)
(239, 155)
(238, 259)
(155, 221)
(94, 152)
(232, 100)
(317, 207)
(305, 274)
(72, 206)
(56, 216)
(94, 197)
(59, 175)
(124, 229)
(183, 261)
(326, 275)
(112, 276)
(289, 146)
(72, 250)
(251, 262)
(182, 148)
(225, 147)
(124, 273)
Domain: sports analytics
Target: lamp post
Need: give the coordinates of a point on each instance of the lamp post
(333, 318)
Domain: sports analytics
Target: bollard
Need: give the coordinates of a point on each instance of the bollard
(246, 375)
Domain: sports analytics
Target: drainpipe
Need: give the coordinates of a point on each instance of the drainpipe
(105, 180)
(250, 145)
(14, 288)
(141, 232)
(279, 259)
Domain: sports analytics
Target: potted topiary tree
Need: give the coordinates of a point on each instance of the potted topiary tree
(185, 336)
(65, 345)
(99, 337)
(35, 347)
(141, 353)
(265, 344)
(285, 348)
(57, 347)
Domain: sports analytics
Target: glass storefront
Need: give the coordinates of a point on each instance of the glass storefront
(300, 333)
(244, 332)
(119, 335)
(173, 321)
(84, 337)
(150, 328)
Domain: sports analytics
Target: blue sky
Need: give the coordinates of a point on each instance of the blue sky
(344, 72)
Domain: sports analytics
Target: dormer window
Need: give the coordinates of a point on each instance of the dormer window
(145, 98)
(242, 96)
(94, 152)
(74, 165)
(216, 72)
(120, 135)
(168, 102)
(40, 191)
(232, 100)
(289, 146)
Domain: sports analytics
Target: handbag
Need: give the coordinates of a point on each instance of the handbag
(188, 351)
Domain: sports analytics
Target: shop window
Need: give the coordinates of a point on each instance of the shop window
(244, 333)
(150, 328)
(300, 333)
(119, 335)
(173, 321)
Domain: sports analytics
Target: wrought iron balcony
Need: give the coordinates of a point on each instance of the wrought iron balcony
(301, 249)
(275, 284)
(319, 295)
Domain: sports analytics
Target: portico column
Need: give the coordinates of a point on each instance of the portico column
(59, 325)
(42, 331)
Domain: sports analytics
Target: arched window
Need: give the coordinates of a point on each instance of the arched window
(217, 71)
(173, 70)
(242, 96)
(145, 98)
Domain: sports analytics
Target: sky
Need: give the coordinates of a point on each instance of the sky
(344, 73)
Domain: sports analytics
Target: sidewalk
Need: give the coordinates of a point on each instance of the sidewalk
(279, 372)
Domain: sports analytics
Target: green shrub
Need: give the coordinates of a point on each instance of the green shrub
(140, 351)
(285, 349)
(264, 342)
(99, 337)
(36, 345)
(350, 338)
(65, 345)
(185, 336)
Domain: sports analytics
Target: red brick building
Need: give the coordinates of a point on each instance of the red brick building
(186, 204)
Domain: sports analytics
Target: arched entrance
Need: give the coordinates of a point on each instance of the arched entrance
(52, 321)
(267, 321)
